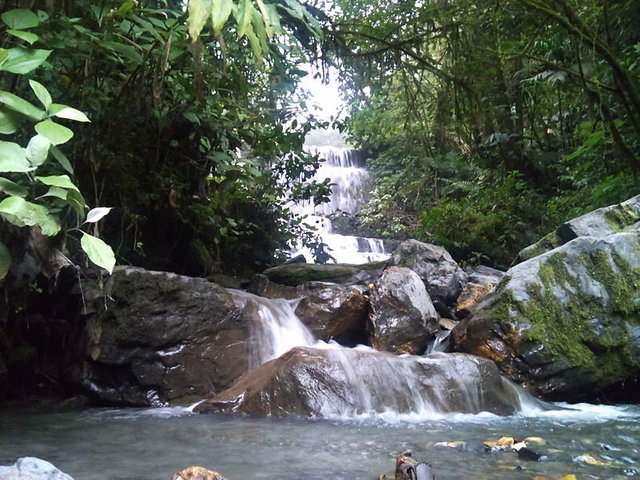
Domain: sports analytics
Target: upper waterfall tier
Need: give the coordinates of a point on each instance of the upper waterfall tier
(350, 185)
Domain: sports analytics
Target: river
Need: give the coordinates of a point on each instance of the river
(592, 441)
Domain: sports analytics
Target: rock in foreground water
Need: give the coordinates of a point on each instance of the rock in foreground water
(336, 382)
(31, 468)
(197, 473)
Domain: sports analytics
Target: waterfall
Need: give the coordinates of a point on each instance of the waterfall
(350, 191)
(362, 381)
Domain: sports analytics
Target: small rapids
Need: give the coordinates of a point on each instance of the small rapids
(363, 382)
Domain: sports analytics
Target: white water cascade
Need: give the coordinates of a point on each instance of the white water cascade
(371, 382)
(349, 177)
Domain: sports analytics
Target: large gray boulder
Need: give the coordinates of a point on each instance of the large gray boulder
(566, 323)
(623, 217)
(338, 382)
(402, 318)
(31, 468)
(163, 338)
(440, 273)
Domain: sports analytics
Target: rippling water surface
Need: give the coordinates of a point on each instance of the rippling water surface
(595, 442)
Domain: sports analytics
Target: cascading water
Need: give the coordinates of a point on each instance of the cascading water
(349, 177)
(365, 382)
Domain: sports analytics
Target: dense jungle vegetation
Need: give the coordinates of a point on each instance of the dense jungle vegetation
(487, 122)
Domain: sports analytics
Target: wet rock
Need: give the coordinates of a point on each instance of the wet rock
(440, 273)
(31, 468)
(563, 322)
(330, 311)
(402, 318)
(334, 312)
(197, 473)
(481, 281)
(331, 382)
(408, 468)
(162, 338)
(299, 273)
(623, 217)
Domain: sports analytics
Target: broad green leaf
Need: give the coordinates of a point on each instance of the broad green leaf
(28, 37)
(255, 43)
(64, 111)
(20, 18)
(95, 214)
(98, 252)
(4, 54)
(23, 60)
(11, 188)
(62, 159)
(57, 192)
(220, 14)
(244, 15)
(42, 93)
(13, 158)
(38, 150)
(5, 260)
(19, 212)
(199, 13)
(8, 121)
(266, 17)
(62, 181)
(128, 51)
(19, 105)
(54, 132)
(274, 17)
(43, 16)
(77, 202)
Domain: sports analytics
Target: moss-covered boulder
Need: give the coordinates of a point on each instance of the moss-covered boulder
(622, 217)
(566, 324)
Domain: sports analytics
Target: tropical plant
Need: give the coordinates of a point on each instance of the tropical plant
(33, 190)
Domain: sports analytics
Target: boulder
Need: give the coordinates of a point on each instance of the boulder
(298, 273)
(337, 382)
(31, 468)
(197, 473)
(163, 338)
(334, 312)
(565, 323)
(402, 318)
(331, 311)
(440, 273)
(482, 280)
(622, 217)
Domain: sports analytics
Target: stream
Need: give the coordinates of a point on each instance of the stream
(593, 441)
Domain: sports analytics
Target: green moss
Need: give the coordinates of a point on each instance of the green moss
(621, 216)
(544, 245)
(585, 332)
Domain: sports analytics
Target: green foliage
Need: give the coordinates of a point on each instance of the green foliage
(26, 198)
(188, 138)
(471, 110)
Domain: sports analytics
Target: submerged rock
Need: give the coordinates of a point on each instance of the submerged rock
(440, 273)
(31, 468)
(163, 338)
(331, 382)
(402, 317)
(197, 473)
(622, 217)
(564, 323)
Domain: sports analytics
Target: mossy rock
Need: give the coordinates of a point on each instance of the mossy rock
(564, 323)
(623, 217)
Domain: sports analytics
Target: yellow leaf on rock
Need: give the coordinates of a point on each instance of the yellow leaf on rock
(505, 442)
